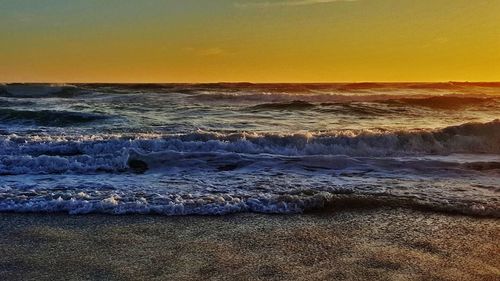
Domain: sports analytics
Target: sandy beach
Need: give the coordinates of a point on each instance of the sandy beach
(361, 244)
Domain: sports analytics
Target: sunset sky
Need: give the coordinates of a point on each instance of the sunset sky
(255, 40)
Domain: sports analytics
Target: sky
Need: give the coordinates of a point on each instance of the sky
(255, 40)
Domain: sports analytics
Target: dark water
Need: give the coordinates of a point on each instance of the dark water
(222, 148)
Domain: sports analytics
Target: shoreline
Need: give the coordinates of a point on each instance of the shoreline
(315, 203)
(347, 244)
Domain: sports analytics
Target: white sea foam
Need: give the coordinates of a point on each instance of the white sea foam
(225, 204)
(59, 154)
(217, 149)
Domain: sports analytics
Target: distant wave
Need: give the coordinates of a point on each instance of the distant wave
(451, 85)
(293, 105)
(47, 117)
(409, 93)
(285, 97)
(4, 102)
(446, 102)
(349, 108)
(40, 91)
(293, 98)
(420, 86)
(483, 166)
(304, 87)
(376, 106)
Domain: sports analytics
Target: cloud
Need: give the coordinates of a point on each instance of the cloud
(269, 4)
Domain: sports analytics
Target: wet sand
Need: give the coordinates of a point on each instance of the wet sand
(362, 244)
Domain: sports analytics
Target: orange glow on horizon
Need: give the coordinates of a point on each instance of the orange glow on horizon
(233, 41)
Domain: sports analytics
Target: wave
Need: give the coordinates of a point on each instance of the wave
(293, 105)
(225, 161)
(357, 108)
(81, 202)
(420, 98)
(40, 91)
(284, 97)
(419, 86)
(61, 154)
(452, 85)
(272, 93)
(215, 173)
(47, 117)
(304, 87)
(465, 138)
(133, 160)
(11, 103)
(483, 166)
(363, 109)
(377, 106)
(446, 102)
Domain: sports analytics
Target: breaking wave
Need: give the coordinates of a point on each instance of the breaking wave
(114, 153)
(259, 148)
(112, 202)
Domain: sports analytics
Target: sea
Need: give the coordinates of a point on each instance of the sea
(222, 148)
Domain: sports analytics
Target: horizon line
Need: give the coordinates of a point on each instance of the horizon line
(249, 82)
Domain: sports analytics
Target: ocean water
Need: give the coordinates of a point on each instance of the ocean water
(179, 149)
